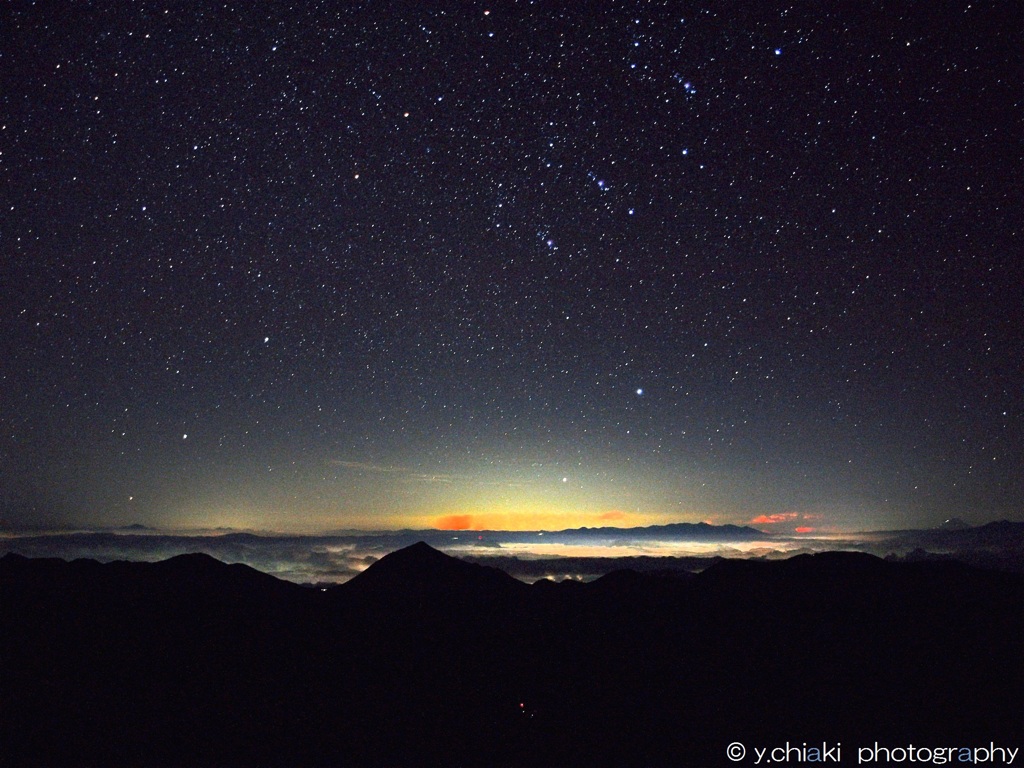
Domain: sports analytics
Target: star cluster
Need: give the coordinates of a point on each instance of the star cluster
(306, 265)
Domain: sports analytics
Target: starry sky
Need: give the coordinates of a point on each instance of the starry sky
(327, 265)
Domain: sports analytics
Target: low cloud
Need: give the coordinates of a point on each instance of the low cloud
(431, 477)
(364, 466)
(403, 474)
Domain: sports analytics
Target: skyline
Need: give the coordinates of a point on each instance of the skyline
(311, 267)
(579, 554)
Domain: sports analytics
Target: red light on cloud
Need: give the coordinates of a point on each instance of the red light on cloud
(788, 517)
(454, 523)
(780, 517)
(614, 514)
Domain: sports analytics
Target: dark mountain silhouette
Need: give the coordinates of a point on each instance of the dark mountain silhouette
(426, 660)
(423, 571)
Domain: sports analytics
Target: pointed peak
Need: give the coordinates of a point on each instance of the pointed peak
(421, 567)
(418, 557)
(419, 548)
(191, 561)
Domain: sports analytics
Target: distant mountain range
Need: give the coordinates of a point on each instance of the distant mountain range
(424, 659)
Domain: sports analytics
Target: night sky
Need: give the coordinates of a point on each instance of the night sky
(310, 266)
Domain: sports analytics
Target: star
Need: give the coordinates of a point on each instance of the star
(426, 305)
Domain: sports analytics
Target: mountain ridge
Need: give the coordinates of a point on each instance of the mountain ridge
(427, 660)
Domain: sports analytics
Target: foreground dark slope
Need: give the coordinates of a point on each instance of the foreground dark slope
(427, 660)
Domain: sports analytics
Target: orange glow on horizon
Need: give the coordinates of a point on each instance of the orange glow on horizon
(534, 520)
(456, 523)
(804, 529)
